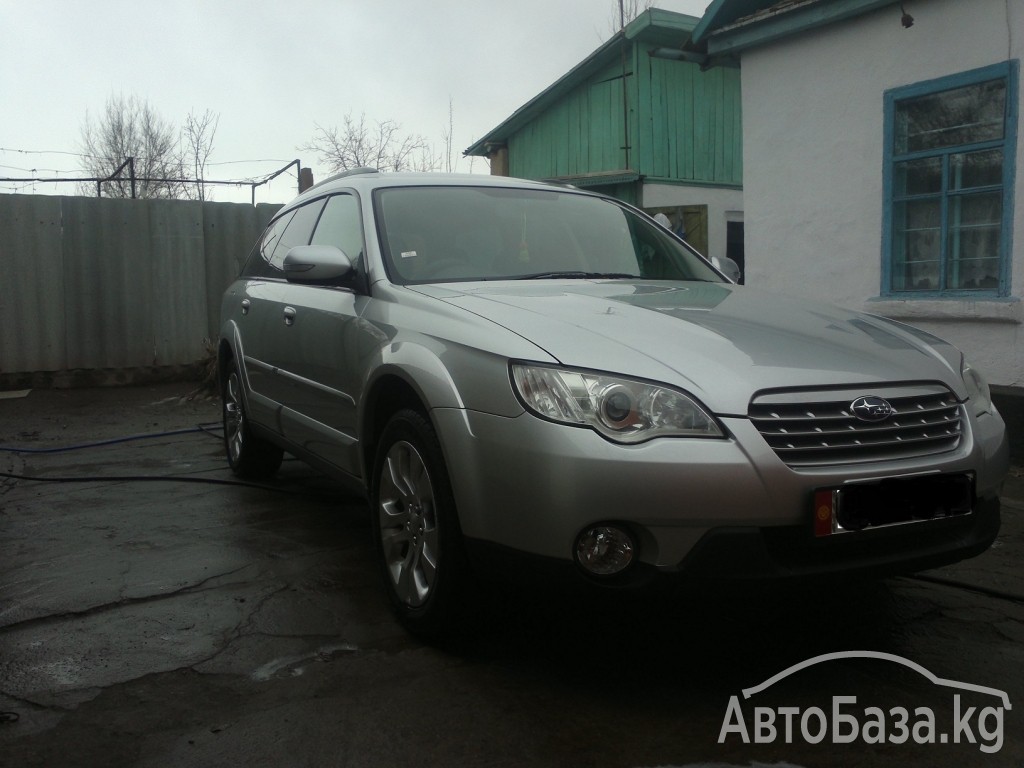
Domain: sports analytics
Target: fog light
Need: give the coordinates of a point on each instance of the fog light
(604, 550)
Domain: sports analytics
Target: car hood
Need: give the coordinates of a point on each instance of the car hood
(719, 341)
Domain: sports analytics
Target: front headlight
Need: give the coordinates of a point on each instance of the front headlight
(977, 389)
(621, 409)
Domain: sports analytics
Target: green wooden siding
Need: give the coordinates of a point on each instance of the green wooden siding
(685, 125)
(688, 123)
(580, 133)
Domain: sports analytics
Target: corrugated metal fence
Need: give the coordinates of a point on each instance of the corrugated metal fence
(98, 284)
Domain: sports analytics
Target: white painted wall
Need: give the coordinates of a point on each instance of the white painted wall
(724, 205)
(813, 163)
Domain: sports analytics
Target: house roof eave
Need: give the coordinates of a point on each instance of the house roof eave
(654, 25)
(728, 33)
(723, 12)
(597, 178)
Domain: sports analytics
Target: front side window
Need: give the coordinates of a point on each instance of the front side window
(258, 264)
(949, 162)
(341, 227)
(298, 232)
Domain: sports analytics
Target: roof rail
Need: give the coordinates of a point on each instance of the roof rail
(350, 172)
(356, 171)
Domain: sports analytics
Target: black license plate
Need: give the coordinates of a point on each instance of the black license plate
(893, 501)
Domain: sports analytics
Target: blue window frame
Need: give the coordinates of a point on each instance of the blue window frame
(950, 155)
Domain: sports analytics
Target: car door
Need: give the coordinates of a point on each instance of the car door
(324, 341)
(254, 317)
(273, 305)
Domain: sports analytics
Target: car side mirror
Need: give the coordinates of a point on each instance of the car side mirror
(316, 264)
(727, 267)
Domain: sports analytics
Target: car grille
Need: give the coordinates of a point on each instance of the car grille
(819, 427)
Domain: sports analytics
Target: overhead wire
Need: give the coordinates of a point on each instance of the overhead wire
(17, 184)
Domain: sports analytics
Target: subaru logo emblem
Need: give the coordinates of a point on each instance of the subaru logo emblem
(871, 408)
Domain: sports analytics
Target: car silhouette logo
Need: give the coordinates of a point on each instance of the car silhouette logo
(1002, 695)
(870, 408)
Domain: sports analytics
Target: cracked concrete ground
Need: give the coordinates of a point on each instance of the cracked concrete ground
(191, 623)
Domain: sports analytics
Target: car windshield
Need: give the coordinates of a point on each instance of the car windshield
(442, 234)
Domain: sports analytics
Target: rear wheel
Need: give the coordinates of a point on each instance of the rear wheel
(248, 455)
(415, 527)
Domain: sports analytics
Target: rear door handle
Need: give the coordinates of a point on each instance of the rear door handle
(289, 315)
(245, 306)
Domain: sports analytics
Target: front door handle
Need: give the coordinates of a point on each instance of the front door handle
(245, 306)
(289, 315)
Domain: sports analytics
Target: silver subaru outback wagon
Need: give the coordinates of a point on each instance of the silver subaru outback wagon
(534, 376)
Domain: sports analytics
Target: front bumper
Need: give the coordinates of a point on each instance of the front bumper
(705, 508)
(791, 552)
(732, 556)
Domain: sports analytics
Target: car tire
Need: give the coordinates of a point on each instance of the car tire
(249, 456)
(417, 539)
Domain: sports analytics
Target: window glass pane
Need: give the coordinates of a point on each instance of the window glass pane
(917, 245)
(918, 276)
(975, 226)
(298, 232)
(977, 169)
(918, 177)
(339, 226)
(274, 235)
(259, 264)
(947, 119)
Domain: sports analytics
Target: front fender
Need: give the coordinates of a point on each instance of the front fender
(448, 376)
(432, 375)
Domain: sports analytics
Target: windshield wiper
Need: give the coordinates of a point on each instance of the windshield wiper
(573, 275)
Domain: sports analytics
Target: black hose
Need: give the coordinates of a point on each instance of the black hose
(198, 428)
(205, 428)
(157, 478)
(987, 591)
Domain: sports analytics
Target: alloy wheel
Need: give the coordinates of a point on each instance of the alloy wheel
(408, 524)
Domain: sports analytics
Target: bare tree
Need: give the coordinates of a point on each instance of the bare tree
(131, 128)
(426, 159)
(358, 145)
(431, 160)
(197, 145)
(447, 136)
(132, 136)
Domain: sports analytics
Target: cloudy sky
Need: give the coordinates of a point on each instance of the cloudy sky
(274, 70)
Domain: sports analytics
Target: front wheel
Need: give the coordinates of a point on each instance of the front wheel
(415, 527)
